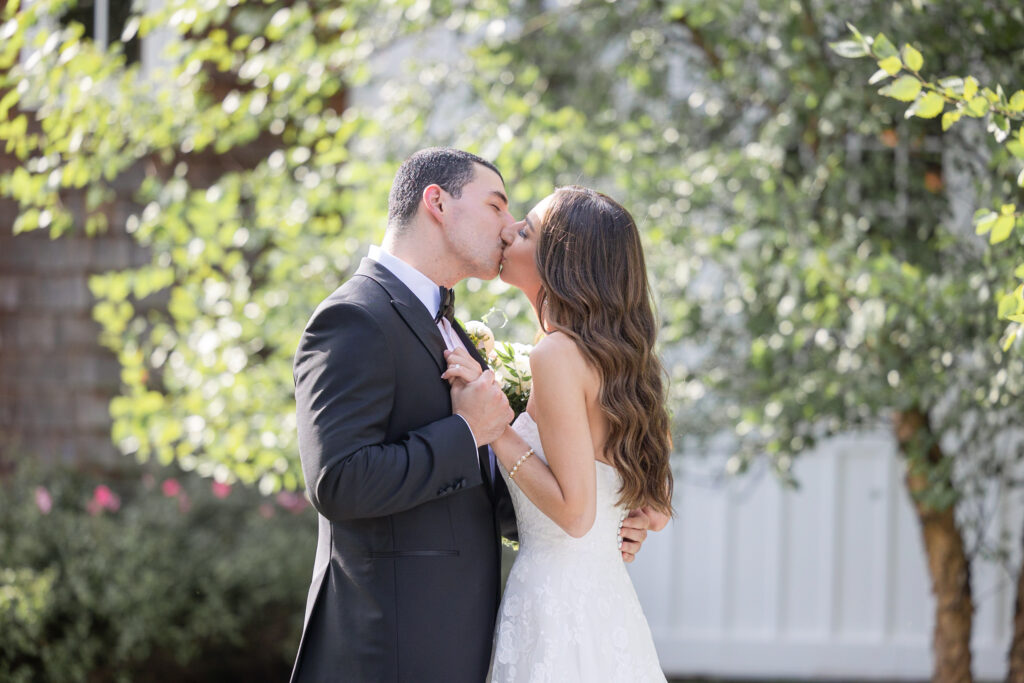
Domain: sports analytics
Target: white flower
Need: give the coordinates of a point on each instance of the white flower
(522, 358)
(512, 370)
(481, 336)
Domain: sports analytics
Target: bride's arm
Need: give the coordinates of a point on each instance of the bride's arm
(566, 489)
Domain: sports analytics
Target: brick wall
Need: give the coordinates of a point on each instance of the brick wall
(55, 379)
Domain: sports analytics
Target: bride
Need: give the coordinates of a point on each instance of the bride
(593, 443)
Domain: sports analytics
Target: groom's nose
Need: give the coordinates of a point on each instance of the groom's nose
(508, 234)
(508, 228)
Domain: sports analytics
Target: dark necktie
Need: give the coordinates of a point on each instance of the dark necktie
(447, 309)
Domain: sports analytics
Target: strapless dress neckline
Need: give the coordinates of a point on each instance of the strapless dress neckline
(533, 424)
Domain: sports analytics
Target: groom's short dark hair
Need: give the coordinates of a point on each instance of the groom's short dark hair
(448, 168)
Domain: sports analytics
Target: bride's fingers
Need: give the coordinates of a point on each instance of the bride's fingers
(460, 356)
(465, 363)
(460, 372)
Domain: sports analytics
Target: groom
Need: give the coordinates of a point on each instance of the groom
(411, 507)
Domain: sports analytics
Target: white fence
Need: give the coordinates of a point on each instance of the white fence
(826, 582)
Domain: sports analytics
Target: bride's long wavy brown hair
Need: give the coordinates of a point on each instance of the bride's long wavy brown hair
(595, 290)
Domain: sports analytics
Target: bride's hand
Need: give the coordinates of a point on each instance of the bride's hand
(461, 366)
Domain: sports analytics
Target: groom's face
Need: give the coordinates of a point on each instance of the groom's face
(475, 223)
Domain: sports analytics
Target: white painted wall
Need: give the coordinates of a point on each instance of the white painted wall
(751, 580)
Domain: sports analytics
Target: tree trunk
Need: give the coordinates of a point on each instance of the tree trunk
(947, 561)
(1015, 660)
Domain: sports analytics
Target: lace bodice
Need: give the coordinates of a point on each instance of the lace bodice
(538, 533)
(569, 613)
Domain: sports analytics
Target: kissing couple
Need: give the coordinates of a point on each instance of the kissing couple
(416, 473)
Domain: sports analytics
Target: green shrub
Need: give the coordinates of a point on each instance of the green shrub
(149, 579)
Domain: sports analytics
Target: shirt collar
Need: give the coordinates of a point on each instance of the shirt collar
(425, 289)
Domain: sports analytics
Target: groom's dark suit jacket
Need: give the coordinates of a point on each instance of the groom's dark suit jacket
(405, 581)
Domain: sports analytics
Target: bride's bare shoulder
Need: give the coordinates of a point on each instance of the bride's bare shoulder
(558, 354)
(556, 346)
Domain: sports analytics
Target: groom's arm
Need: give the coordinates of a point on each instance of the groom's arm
(344, 394)
(504, 510)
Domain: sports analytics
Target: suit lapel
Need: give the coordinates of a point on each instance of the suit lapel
(469, 346)
(423, 326)
(410, 308)
(485, 456)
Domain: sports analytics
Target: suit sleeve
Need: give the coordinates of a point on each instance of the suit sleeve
(506, 512)
(344, 394)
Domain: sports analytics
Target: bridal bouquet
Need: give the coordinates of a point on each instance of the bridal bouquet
(510, 362)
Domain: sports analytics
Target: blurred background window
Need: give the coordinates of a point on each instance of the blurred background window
(104, 22)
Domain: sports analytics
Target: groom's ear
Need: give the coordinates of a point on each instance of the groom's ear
(434, 202)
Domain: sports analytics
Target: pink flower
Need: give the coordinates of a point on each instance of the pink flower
(266, 510)
(293, 502)
(43, 500)
(103, 499)
(106, 498)
(221, 490)
(171, 488)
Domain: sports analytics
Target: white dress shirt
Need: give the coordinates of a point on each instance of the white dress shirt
(428, 292)
(425, 289)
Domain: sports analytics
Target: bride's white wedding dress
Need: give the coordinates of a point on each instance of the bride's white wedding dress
(569, 612)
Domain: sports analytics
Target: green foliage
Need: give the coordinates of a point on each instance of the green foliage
(810, 274)
(25, 597)
(247, 193)
(808, 269)
(149, 582)
(513, 369)
(964, 96)
(509, 360)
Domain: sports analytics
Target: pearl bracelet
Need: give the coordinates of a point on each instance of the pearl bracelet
(512, 474)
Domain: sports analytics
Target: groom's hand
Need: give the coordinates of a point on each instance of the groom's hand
(484, 406)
